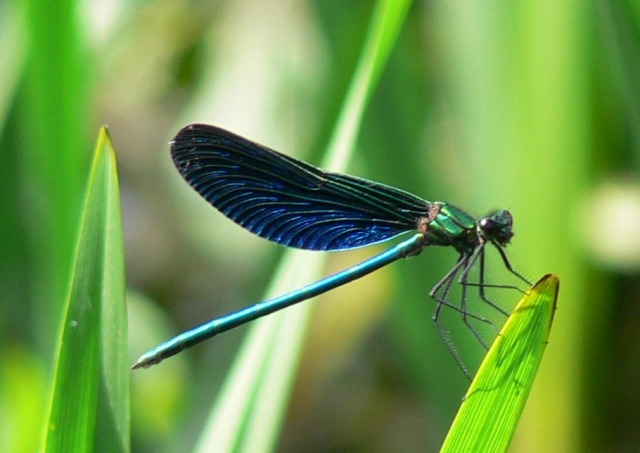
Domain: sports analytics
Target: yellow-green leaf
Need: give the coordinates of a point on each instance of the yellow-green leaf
(492, 407)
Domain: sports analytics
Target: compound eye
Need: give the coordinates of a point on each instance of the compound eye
(489, 227)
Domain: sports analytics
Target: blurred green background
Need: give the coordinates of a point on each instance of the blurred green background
(530, 106)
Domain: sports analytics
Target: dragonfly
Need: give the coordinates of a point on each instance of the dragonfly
(296, 204)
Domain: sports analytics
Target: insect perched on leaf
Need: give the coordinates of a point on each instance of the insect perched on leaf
(293, 203)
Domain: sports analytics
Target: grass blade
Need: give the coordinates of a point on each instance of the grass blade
(251, 407)
(89, 402)
(492, 407)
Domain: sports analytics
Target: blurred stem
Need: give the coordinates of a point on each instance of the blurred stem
(53, 115)
(250, 420)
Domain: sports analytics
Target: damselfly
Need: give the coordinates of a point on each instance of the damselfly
(298, 205)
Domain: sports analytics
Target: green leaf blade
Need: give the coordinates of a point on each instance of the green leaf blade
(493, 405)
(89, 402)
(243, 420)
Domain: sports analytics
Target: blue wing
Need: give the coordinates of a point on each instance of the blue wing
(289, 201)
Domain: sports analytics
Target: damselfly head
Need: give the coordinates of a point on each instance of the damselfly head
(497, 227)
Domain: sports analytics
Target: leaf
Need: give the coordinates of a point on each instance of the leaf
(493, 405)
(90, 398)
(252, 405)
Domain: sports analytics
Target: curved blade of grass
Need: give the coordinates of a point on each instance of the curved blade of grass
(251, 407)
(492, 407)
(90, 398)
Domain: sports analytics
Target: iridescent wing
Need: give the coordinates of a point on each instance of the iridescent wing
(289, 201)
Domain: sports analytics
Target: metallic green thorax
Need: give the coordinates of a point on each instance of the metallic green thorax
(451, 226)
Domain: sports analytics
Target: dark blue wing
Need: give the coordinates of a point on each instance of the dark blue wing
(289, 201)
